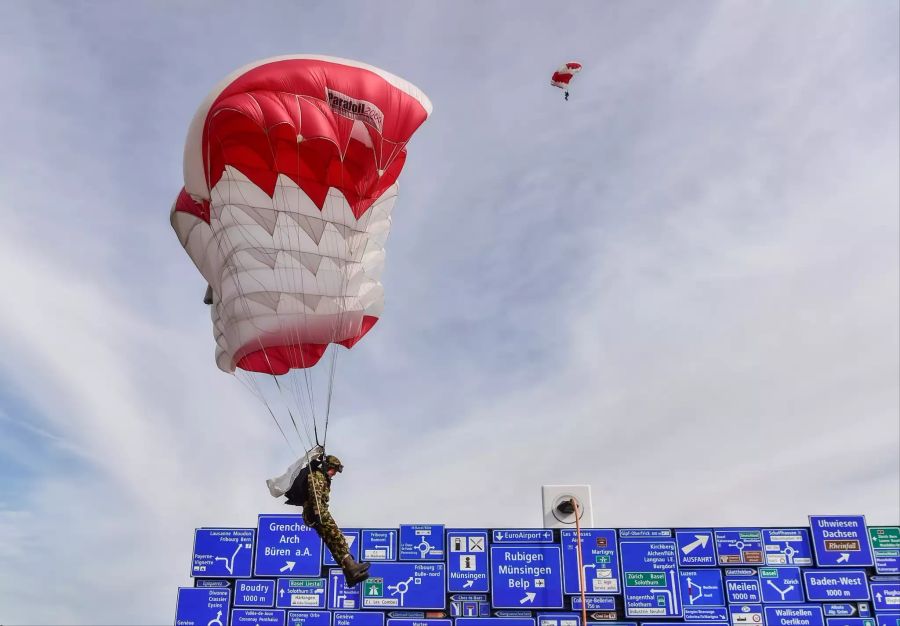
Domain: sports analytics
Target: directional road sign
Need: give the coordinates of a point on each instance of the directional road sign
(467, 561)
(558, 619)
(420, 622)
(202, 606)
(742, 590)
(595, 603)
(308, 618)
(358, 618)
(701, 587)
(352, 537)
(254, 593)
(705, 614)
(886, 548)
(526, 577)
(285, 546)
(887, 619)
(225, 552)
(378, 544)
(522, 535)
(421, 542)
(469, 605)
(599, 561)
(841, 540)
(831, 585)
(795, 615)
(787, 546)
(696, 548)
(306, 593)
(886, 596)
(746, 614)
(839, 610)
(650, 574)
(405, 585)
(849, 621)
(739, 546)
(495, 621)
(341, 596)
(644, 533)
(257, 617)
(781, 585)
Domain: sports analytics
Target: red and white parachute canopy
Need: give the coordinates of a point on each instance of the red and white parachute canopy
(564, 74)
(290, 170)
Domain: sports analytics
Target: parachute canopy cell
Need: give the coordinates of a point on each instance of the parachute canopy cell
(564, 74)
(290, 172)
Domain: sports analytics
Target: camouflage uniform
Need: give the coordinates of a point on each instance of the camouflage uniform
(317, 516)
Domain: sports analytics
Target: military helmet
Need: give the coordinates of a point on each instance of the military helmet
(332, 461)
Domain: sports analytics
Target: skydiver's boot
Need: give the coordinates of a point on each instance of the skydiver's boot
(354, 572)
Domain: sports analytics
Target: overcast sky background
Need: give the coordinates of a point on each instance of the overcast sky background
(679, 287)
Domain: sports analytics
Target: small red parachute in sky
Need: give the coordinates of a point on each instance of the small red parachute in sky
(564, 74)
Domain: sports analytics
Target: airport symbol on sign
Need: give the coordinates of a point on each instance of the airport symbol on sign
(599, 561)
(225, 552)
(787, 546)
(841, 540)
(285, 546)
(467, 562)
(651, 581)
(696, 548)
(781, 585)
(523, 535)
(526, 577)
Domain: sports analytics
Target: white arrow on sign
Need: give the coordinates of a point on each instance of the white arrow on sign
(288, 567)
(878, 596)
(529, 597)
(702, 540)
(469, 583)
(845, 556)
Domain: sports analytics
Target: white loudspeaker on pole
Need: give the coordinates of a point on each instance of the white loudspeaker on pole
(558, 510)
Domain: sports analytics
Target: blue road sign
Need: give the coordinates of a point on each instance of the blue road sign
(650, 573)
(202, 606)
(599, 561)
(705, 614)
(225, 552)
(887, 619)
(526, 577)
(558, 619)
(420, 622)
(305, 593)
(696, 548)
(494, 621)
(467, 561)
(795, 615)
(257, 593)
(257, 617)
(358, 618)
(746, 615)
(421, 542)
(644, 533)
(340, 596)
(781, 585)
(787, 546)
(742, 590)
(824, 585)
(839, 610)
(841, 540)
(378, 544)
(212, 582)
(308, 618)
(469, 605)
(405, 586)
(886, 596)
(352, 537)
(885, 542)
(595, 603)
(522, 535)
(864, 610)
(849, 621)
(285, 546)
(739, 546)
(701, 587)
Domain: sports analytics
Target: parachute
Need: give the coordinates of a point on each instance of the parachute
(290, 178)
(564, 74)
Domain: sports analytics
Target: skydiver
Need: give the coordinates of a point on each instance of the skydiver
(567, 94)
(312, 491)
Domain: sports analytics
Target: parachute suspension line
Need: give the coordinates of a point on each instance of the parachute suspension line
(258, 394)
(580, 565)
(290, 413)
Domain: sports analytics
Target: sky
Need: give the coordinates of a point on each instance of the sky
(681, 287)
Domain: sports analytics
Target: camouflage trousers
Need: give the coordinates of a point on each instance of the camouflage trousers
(328, 530)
